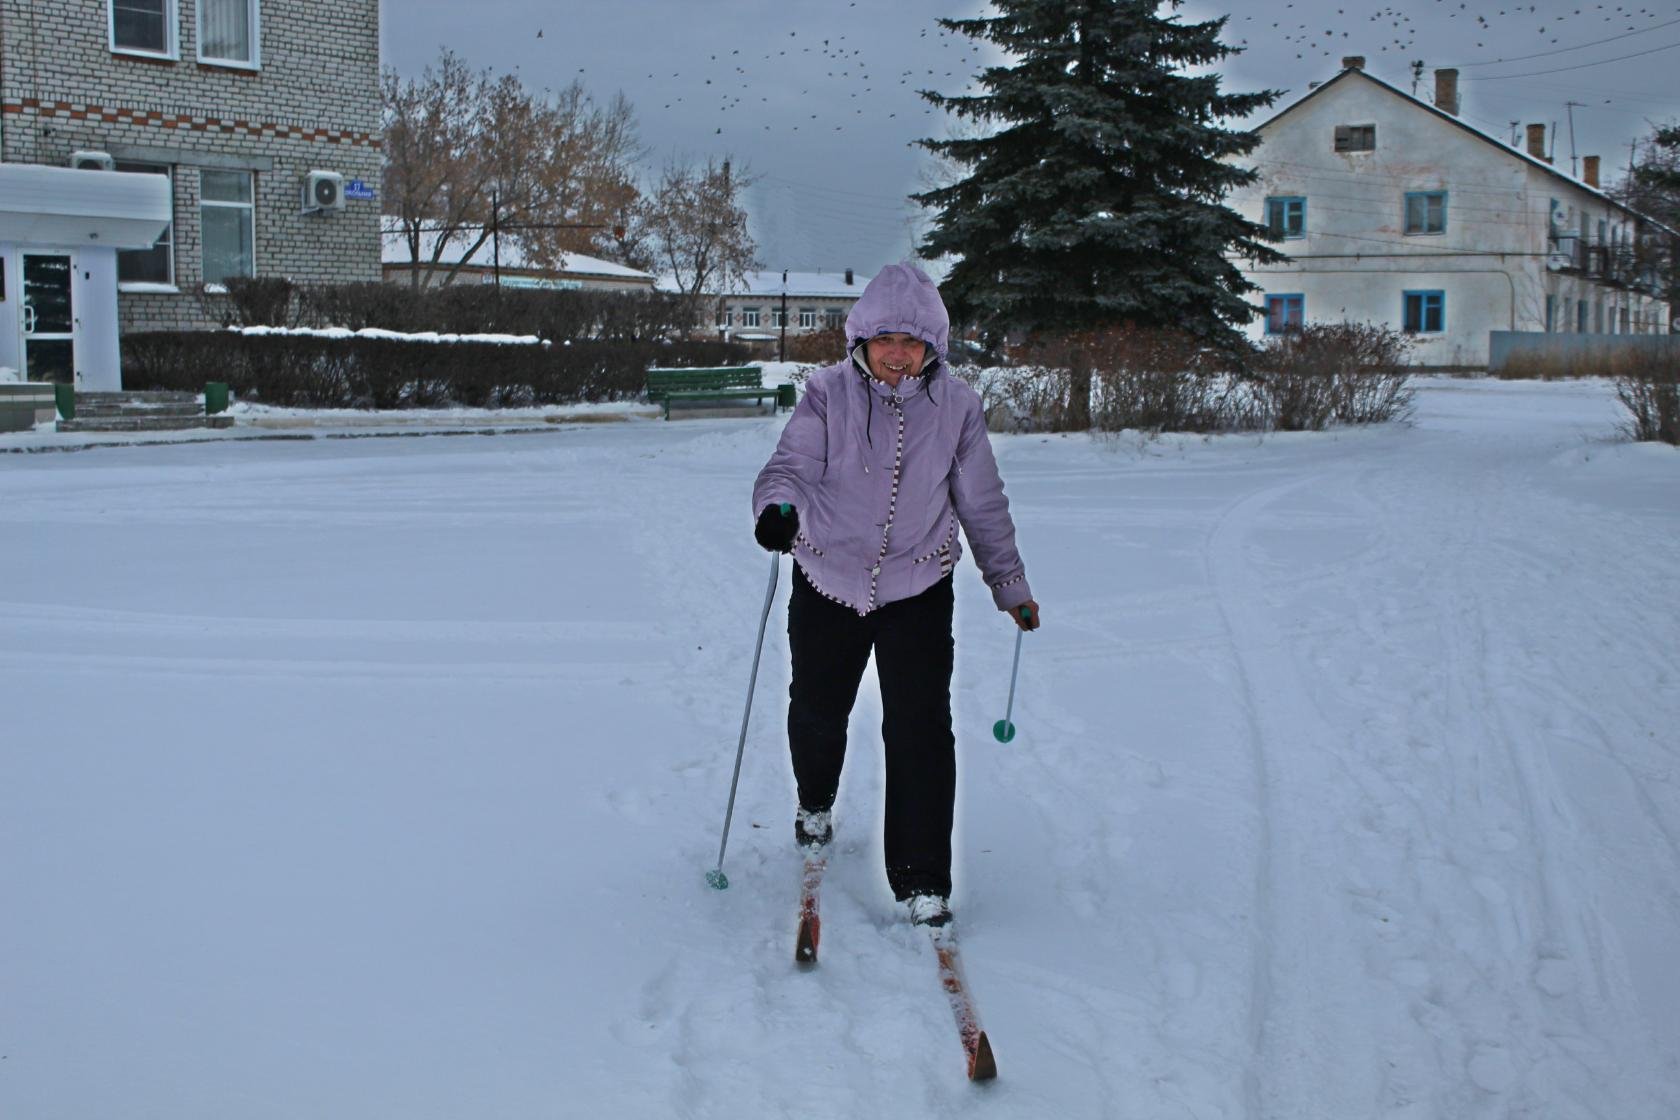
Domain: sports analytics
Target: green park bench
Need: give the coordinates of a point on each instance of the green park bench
(708, 386)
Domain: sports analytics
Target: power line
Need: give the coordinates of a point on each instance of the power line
(1566, 50)
(1581, 66)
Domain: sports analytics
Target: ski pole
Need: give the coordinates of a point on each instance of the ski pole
(715, 878)
(1003, 730)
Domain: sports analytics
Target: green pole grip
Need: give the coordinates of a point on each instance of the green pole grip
(785, 508)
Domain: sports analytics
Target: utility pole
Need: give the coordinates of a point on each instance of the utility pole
(1570, 107)
(495, 235)
(782, 352)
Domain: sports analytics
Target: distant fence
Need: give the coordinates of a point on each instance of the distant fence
(1535, 353)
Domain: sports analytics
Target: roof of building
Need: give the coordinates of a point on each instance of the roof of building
(1450, 118)
(68, 206)
(806, 285)
(394, 250)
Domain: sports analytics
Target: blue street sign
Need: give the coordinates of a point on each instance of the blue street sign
(357, 189)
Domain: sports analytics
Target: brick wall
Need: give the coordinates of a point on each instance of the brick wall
(312, 103)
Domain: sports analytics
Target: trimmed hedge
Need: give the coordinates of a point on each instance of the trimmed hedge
(306, 371)
(557, 315)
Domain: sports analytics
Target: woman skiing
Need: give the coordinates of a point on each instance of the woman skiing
(881, 461)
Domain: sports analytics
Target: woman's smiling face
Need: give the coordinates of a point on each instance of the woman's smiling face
(892, 356)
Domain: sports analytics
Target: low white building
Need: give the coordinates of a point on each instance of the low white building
(60, 231)
(1394, 211)
(755, 309)
(501, 261)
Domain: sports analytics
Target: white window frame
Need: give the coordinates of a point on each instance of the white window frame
(807, 318)
(749, 317)
(250, 209)
(254, 7)
(167, 239)
(171, 34)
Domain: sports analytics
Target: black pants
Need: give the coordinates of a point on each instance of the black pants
(913, 648)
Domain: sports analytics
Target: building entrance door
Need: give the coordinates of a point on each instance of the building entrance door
(49, 321)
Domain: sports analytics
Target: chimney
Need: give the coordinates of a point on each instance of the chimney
(1589, 170)
(1446, 91)
(1537, 141)
(848, 278)
(1353, 62)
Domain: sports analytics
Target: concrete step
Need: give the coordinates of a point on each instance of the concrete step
(84, 409)
(131, 397)
(132, 423)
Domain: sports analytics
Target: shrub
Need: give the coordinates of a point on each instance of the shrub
(1349, 373)
(1155, 381)
(1651, 394)
(309, 371)
(260, 301)
(824, 347)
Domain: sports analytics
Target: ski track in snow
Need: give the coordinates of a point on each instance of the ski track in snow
(380, 781)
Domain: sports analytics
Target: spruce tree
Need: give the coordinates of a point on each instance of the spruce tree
(1094, 197)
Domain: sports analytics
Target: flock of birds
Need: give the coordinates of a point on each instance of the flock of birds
(1526, 22)
(812, 80)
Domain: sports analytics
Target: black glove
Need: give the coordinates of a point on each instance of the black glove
(776, 528)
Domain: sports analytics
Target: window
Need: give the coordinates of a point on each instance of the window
(1425, 312)
(807, 317)
(143, 27)
(157, 264)
(1551, 314)
(725, 317)
(834, 319)
(1580, 316)
(1285, 313)
(227, 32)
(1286, 217)
(228, 216)
(778, 317)
(1426, 211)
(1598, 316)
(1356, 137)
(749, 317)
(1627, 321)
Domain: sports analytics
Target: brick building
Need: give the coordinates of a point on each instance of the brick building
(239, 102)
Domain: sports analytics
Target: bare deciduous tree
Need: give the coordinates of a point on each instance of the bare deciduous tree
(696, 229)
(469, 155)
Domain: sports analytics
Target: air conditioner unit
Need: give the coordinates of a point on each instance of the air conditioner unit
(323, 192)
(1558, 262)
(92, 161)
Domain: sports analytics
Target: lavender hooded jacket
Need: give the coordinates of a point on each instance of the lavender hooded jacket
(881, 477)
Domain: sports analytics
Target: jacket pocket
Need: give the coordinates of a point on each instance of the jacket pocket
(943, 552)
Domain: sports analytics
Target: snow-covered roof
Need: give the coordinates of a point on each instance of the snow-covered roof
(807, 285)
(394, 250)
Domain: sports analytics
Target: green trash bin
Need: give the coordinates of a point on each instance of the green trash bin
(65, 397)
(215, 397)
(787, 395)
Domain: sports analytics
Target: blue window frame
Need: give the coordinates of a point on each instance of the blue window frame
(1580, 316)
(1426, 211)
(1286, 216)
(1424, 312)
(1551, 314)
(1285, 312)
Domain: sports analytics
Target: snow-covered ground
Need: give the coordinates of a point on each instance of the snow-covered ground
(375, 779)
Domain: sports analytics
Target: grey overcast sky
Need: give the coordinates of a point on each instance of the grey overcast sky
(818, 99)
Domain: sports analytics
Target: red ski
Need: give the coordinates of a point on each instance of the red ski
(810, 922)
(981, 1065)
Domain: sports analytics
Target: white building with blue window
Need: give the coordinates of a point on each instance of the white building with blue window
(1394, 211)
